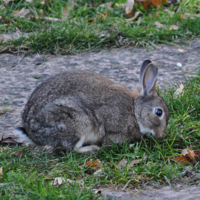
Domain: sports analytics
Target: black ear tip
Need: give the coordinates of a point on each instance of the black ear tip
(146, 62)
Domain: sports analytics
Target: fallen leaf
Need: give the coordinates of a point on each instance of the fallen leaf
(90, 20)
(106, 5)
(98, 171)
(58, 181)
(6, 21)
(159, 25)
(188, 156)
(104, 15)
(179, 91)
(122, 163)
(182, 160)
(196, 152)
(191, 154)
(70, 181)
(181, 50)
(94, 165)
(184, 152)
(4, 149)
(157, 3)
(119, 4)
(18, 153)
(133, 162)
(143, 3)
(173, 27)
(150, 16)
(129, 7)
(22, 13)
(96, 191)
(182, 17)
(134, 17)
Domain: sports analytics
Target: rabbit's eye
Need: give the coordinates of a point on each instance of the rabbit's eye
(158, 112)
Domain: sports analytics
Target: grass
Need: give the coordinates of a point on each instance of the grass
(26, 176)
(82, 27)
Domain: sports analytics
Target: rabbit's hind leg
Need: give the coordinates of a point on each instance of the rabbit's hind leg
(84, 149)
(88, 149)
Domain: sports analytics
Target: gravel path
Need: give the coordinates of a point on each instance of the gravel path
(19, 77)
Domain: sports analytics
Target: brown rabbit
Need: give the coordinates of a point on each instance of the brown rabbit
(80, 110)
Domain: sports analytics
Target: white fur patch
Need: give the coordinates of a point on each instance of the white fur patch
(80, 142)
(23, 137)
(88, 149)
(145, 130)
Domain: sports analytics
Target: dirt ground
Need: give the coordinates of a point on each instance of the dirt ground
(20, 75)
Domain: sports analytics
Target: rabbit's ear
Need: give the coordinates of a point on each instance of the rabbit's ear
(143, 68)
(149, 80)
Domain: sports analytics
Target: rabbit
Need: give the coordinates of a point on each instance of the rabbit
(81, 110)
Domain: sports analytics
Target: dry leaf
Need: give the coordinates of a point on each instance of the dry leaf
(22, 13)
(104, 15)
(181, 50)
(98, 171)
(50, 19)
(134, 17)
(182, 17)
(119, 5)
(122, 163)
(4, 149)
(1, 170)
(157, 3)
(188, 156)
(182, 160)
(144, 3)
(157, 14)
(97, 191)
(133, 162)
(58, 181)
(173, 27)
(179, 91)
(94, 165)
(18, 153)
(159, 25)
(191, 154)
(129, 7)
(106, 5)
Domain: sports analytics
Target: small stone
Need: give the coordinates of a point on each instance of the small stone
(178, 64)
(116, 71)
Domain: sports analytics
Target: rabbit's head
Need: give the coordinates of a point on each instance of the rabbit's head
(151, 110)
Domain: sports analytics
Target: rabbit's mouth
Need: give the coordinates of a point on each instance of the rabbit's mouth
(146, 131)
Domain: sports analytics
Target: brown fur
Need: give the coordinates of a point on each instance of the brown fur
(78, 108)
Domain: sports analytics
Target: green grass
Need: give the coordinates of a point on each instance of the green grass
(24, 176)
(76, 33)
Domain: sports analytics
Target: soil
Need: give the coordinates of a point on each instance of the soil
(20, 75)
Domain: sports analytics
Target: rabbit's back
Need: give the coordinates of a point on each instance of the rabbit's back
(72, 103)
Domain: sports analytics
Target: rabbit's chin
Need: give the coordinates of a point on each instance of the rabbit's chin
(146, 131)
